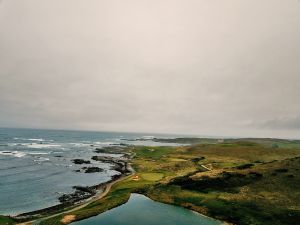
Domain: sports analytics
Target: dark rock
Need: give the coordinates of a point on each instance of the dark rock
(119, 164)
(81, 161)
(75, 197)
(88, 189)
(92, 169)
(116, 177)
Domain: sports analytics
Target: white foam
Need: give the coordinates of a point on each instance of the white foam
(39, 153)
(41, 159)
(36, 139)
(104, 143)
(31, 139)
(79, 144)
(13, 153)
(148, 137)
(14, 144)
(19, 154)
(57, 152)
(36, 145)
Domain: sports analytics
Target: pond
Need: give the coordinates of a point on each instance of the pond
(142, 210)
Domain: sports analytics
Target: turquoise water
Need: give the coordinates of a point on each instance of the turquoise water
(140, 210)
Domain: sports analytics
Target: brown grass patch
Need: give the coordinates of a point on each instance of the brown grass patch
(68, 219)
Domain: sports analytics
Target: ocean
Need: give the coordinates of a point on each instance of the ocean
(36, 165)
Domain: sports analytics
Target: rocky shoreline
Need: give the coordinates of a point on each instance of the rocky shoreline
(119, 164)
(83, 193)
(68, 200)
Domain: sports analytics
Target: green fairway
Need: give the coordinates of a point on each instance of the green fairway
(152, 176)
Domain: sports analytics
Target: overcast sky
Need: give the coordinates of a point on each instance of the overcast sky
(205, 67)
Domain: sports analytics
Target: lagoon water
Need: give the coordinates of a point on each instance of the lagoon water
(142, 210)
(36, 165)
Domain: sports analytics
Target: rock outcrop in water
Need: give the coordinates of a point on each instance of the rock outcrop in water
(92, 169)
(81, 161)
(119, 164)
(80, 194)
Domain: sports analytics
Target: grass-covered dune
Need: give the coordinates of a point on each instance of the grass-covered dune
(240, 181)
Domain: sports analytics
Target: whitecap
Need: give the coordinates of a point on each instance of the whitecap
(35, 139)
(14, 144)
(104, 143)
(19, 154)
(41, 159)
(39, 153)
(32, 139)
(36, 145)
(13, 153)
(148, 137)
(79, 144)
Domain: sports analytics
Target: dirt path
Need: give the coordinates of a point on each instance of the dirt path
(205, 167)
(95, 198)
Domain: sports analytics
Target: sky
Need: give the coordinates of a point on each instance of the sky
(202, 67)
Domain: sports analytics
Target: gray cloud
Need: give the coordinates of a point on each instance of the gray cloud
(203, 67)
(282, 123)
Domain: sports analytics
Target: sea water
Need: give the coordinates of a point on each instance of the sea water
(36, 165)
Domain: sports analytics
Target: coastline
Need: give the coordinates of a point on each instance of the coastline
(69, 216)
(176, 176)
(78, 198)
(106, 189)
(36, 215)
(66, 206)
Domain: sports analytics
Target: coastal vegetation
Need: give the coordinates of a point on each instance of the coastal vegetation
(7, 220)
(240, 181)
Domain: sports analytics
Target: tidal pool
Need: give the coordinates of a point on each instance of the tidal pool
(142, 210)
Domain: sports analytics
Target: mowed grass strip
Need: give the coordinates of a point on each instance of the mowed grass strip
(152, 176)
